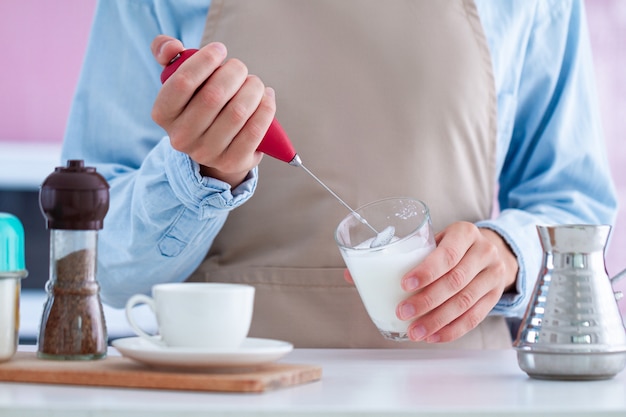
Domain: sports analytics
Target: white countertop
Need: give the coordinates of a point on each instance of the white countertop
(354, 383)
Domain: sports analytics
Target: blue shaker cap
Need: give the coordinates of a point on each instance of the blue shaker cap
(11, 245)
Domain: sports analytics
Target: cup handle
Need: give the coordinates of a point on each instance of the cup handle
(136, 300)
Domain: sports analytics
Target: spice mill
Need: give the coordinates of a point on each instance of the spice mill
(74, 200)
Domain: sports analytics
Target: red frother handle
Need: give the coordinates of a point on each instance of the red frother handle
(276, 143)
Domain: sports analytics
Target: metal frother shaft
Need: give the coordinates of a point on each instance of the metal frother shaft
(296, 161)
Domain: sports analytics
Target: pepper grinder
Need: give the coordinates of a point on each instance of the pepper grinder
(74, 200)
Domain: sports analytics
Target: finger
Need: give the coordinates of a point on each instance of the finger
(200, 66)
(478, 259)
(452, 244)
(347, 276)
(202, 111)
(245, 119)
(458, 315)
(240, 108)
(181, 86)
(230, 163)
(165, 48)
(436, 293)
(467, 321)
(250, 136)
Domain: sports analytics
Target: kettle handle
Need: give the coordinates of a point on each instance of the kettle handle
(619, 276)
(618, 294)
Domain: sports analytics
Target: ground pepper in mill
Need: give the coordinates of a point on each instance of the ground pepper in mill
(74, 199)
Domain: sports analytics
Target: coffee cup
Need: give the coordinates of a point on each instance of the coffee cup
(197, 315)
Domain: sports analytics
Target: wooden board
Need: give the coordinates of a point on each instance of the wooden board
(117, 371)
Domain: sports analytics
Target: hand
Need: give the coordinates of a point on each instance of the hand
(457, 284)
(214, 111)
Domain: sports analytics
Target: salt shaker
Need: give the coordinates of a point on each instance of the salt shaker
(12, 270)
(74, 200)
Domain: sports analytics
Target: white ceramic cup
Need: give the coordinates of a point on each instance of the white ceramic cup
(200, 315)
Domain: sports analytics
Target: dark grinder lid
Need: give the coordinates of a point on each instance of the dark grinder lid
(74, 197)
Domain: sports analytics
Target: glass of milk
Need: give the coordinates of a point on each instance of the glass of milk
(377, 271)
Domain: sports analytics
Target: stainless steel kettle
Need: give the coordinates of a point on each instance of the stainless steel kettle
(572, 328)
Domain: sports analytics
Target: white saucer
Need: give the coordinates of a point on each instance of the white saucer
(252, 352)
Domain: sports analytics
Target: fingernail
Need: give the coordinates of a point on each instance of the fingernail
(417, 333)
(269, 91)
(219, 47)
(162, 47)
(406, 311)
(433, 338)
(411, 284)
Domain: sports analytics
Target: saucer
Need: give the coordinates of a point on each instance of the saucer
(252, 352)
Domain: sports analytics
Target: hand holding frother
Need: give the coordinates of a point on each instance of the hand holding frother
(277, 144)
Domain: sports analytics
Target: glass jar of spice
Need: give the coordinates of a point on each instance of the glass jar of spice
(74, 200)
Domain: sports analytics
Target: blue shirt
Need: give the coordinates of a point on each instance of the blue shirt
(551, 161)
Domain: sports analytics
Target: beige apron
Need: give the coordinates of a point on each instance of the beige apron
(380, 99)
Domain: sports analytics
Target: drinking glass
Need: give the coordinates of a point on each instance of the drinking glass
(377, 271)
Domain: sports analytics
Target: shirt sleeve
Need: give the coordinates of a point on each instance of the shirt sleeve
(163, 214)
(555, 170)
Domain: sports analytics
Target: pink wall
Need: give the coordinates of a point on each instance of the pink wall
(42, 44)
(45, 42)
(607, 25)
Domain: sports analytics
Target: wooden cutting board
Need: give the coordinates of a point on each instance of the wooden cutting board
(117, 371)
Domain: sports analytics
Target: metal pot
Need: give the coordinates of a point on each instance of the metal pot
(572, 328)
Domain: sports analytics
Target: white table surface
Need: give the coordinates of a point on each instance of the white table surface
(354, 383)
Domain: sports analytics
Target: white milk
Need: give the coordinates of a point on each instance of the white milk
(377, 274)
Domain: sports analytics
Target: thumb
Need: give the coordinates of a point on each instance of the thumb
(165, 48)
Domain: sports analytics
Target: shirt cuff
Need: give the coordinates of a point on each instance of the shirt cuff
(205, 195)
(518, 229)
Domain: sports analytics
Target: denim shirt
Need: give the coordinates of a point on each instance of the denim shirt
(551, 159)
